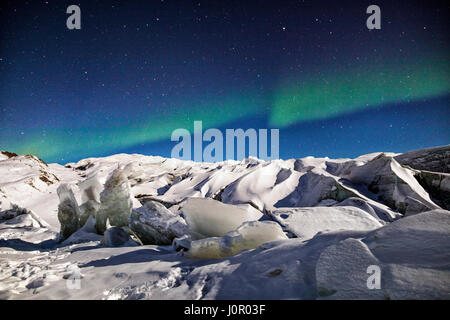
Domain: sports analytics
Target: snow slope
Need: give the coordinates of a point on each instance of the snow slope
(339, 216)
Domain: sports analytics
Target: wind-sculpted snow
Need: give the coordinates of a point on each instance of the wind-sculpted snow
(143, 227)
(305, 223)
(263, 186)
(393, 184)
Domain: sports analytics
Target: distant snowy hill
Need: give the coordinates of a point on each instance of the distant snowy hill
(284, 229)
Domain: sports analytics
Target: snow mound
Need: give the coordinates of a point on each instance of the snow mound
(411, 255)
(421, 239)
(305, 223)
(341, 271)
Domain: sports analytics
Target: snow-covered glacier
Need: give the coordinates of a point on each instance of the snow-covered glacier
(130, 226)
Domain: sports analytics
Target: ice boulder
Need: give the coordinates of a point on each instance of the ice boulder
(211, 218)
(116, 202)
(249, 235)
(68, 212)
(305, 223)
(153, 223)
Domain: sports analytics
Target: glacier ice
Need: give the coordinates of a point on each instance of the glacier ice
(211, 218)
(249, 235)
(346, 213)
(88, 209)
(116, 202)
(68, 212)
(153, 223)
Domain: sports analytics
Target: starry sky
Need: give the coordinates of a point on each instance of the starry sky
(137, 70)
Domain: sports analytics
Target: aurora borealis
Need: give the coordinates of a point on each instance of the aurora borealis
(344, 92)
(137, 70)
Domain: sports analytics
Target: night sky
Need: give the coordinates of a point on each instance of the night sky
(137, 70)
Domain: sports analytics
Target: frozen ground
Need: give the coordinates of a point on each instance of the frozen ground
(287, 229)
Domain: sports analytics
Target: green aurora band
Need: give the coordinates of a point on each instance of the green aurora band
(87, 141)
(313, 97)
(342, 92)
